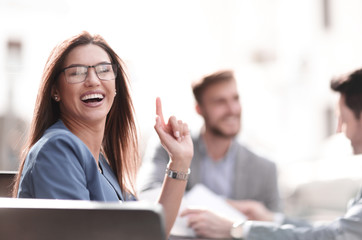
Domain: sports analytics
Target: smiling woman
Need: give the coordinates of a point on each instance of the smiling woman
(80, 87)
(83, 140)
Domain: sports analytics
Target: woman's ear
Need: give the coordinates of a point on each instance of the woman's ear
(55, 93)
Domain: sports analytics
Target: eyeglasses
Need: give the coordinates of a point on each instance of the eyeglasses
(78, 73)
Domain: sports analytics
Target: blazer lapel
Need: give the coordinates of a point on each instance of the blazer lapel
(240, 174)
(109, 175)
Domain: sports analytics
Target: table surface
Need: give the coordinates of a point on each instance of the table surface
(193, 238)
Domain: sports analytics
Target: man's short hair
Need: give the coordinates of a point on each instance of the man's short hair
(350, 86)
(199, 87)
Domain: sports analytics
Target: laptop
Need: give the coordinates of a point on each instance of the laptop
(40, 219)
(6, 182)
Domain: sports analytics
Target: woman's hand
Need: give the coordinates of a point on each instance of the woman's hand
(175, 138)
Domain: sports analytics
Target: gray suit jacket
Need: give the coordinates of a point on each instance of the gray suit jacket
(348, 227)
(254, 177)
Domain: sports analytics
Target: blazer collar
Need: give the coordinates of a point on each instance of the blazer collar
(109, 175)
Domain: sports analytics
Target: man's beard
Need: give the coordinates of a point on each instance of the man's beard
(217, 131)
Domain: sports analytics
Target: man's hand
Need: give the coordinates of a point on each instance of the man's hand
(207, 224)
(253, 210)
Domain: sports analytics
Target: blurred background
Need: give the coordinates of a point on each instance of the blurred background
(284, 54)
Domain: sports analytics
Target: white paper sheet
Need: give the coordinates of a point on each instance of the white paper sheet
(198, 197)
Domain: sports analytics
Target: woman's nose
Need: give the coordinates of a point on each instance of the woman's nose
(92, 77)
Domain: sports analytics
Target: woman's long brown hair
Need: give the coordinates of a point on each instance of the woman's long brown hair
(120, 141)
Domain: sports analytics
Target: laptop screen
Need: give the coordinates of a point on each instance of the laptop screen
(74, 219)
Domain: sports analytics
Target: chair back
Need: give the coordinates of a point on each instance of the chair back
(6, 182)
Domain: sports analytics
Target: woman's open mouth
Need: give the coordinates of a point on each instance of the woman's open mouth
(91, 98)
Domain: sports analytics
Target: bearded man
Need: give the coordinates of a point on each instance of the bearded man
(220, 162)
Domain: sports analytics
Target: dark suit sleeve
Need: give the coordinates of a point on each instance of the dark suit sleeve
(55, 171)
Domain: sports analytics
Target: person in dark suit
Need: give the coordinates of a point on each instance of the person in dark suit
(262, 224)
(220, 162)
(83, 140)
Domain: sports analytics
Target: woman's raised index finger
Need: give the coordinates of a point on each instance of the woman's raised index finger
(159, 110)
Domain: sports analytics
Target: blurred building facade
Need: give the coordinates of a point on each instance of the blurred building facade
(22, 37)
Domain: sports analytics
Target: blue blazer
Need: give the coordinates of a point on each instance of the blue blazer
(60, 166)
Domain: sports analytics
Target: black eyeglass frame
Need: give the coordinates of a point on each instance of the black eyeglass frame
(114, 67)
